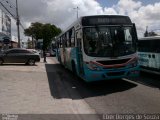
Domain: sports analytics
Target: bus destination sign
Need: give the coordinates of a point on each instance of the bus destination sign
(102, 20)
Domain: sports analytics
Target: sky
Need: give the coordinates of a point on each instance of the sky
(109, 3)
(62, 13)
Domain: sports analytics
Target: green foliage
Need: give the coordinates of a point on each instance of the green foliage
(48, 32)
(29, 44)
(152, 33)
(147, 34)
(35, 30)
(42, 31)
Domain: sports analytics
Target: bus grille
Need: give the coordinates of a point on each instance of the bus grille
(115, 73)
(112, 62)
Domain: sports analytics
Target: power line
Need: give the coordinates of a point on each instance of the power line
(10, 3)
(10, 11)
(9, 6)
(22, 26)
(16, 18)
(7, 10)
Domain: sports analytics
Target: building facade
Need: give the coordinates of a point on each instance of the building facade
(5, 31)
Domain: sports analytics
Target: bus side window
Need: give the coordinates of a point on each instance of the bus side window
(67, 38)
(57, 43)
(61, 42)
(72, 33)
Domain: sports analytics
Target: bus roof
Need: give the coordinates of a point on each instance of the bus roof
(78, 21)
(103, 16)
(150, 38)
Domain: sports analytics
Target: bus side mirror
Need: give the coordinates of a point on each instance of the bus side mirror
(135, 33)
(135, 37)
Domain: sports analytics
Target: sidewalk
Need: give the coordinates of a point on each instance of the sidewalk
(25, 90)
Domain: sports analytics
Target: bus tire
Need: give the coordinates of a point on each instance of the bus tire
(1, 61)
(74, 68)
(59, 59)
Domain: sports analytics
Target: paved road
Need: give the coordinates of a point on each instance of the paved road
(118, 96)
(51, 89)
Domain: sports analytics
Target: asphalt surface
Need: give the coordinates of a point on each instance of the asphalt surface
(136, 96)
(51, 89)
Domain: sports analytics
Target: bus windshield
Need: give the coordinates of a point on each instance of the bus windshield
(104, 41)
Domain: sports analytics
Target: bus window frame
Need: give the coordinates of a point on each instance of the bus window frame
(73, 37)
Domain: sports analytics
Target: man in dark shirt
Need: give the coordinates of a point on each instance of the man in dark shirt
(44, 55)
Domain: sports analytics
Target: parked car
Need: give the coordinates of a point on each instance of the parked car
(35, 51)
(48, 54)
(19, 55)
(53, 53)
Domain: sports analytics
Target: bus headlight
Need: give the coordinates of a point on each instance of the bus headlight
(134, 64)
(92, 66)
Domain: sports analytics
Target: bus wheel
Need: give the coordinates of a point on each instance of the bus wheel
(1, 61)
(74, 68)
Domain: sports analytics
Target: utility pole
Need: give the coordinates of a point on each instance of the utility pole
(18, 23)
(77, 8)
(146, 33)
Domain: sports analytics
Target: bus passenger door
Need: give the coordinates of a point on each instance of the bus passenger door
(79, 56)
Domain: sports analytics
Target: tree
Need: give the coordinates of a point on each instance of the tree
(35, 30)
(42, 31)
(29, 44)
(152, 33)
(48, 32)
(146, 34)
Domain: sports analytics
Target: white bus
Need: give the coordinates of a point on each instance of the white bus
(99, 47)
(149, 54)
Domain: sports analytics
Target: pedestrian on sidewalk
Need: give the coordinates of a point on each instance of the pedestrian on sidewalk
(44, 55)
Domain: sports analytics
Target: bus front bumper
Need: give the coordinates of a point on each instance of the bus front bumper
(91, 75)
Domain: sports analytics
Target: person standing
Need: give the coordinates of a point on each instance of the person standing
(44, 56)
